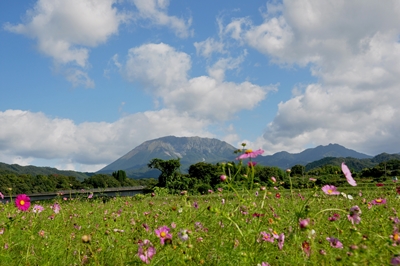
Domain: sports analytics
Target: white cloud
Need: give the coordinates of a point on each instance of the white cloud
(163, 71)
(352, 48)
(208, 47)
(156, 12)
(26, 137)
(62, 27)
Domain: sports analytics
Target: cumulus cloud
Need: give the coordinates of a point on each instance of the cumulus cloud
(156, 12)
(65, 30)
(63, 27)
(164, 72)
(30, 136)
(352, 48)
(208, 47)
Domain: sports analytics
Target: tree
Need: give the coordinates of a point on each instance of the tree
(120, 175)
(167, 168)
(298, 170)
(205, 173)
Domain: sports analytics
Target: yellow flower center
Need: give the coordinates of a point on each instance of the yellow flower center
(249, 151)
(378, 200)
(22, 202)
(330, 191)
(396, 236)
(163, 234)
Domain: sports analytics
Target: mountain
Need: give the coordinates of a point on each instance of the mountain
(35, 170)
(286, 160)
(353, 163)
(190, 150)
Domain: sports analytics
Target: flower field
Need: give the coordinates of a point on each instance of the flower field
(258, 227)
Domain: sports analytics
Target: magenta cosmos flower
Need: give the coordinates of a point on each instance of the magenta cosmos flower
(378, 201)
(335, 243)
(348, 176)
(304, 223)
(250, 154)
(146, 251)
(267, 237)
(163, 234)
(330, 190)
(23, 202)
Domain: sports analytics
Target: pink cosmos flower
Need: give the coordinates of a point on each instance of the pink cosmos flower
(267, 237)
(395, 236)
(273, 179)
(312, 179)
(23, 202)
(304, 223)
(281, 240)
(334, 217)
(1, 195)
(250, 154)
(90, 196)
(378, 201)
(56, 207)
(395, 261)
(146, 251)
(223, 178)
(163, 234)
(347, 173)
(251, 164)
(305, 246)
(37, 208)
(354, 216)
(330, 190)
(335, 243)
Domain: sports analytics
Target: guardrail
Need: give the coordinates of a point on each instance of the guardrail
(97, 192)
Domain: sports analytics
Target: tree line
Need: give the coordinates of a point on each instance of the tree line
(201, 177)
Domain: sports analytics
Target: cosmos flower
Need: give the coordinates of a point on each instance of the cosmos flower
(146, 251)
(1, 195)
(251, 164)
(305, 246)
(347, 173)
(330, 190)
(334, 217)
(304, 223)
(335, 243)
(395, 236)
(56, 207)
(183, 235)
(378, 201)
(267, 237)
(37, 208)
(250, 154)
(354, 216)
(23, 202)
(223, 178)
(395, 261)
(163, 234)
(281, 240)
(273, 179)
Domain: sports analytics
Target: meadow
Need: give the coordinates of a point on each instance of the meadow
(359, 226)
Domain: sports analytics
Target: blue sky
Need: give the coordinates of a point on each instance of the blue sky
(83, 82)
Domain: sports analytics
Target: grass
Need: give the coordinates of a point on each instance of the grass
(97, 232)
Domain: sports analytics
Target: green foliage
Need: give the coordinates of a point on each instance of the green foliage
(167, 168)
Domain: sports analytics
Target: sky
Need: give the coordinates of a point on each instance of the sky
(83, 82)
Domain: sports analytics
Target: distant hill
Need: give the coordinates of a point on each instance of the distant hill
(286, 160)
(353, 163)
(35, 170)
(190, 150)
